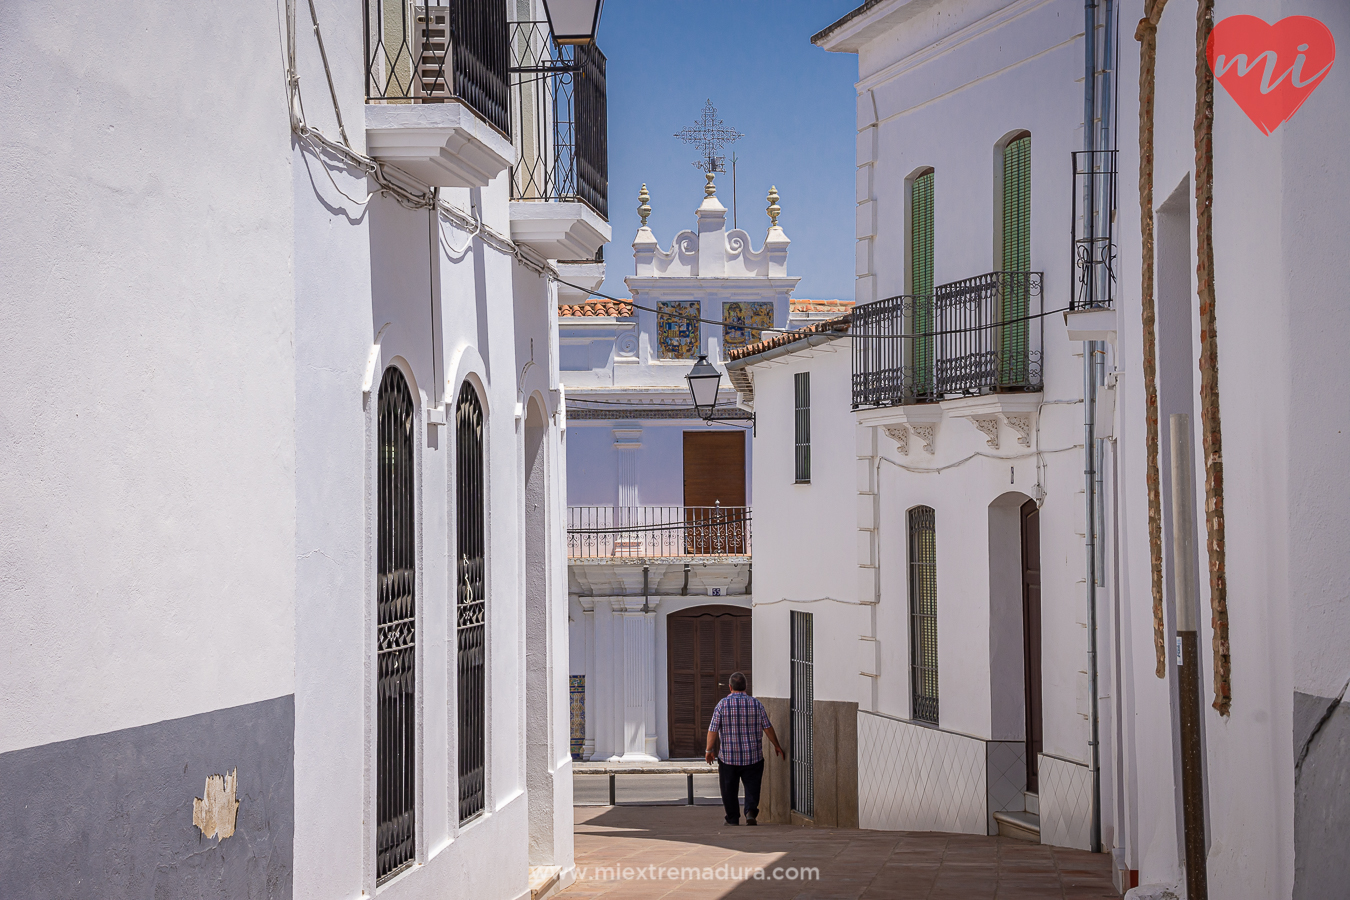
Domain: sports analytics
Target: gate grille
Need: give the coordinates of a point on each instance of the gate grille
(803, 694)
(923, 647)
(470, 604)
(396, 640)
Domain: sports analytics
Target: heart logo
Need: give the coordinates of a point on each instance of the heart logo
(1270, 70)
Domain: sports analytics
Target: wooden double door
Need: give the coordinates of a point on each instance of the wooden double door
(704, 645)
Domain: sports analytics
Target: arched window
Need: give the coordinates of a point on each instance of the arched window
(396, 640)
(920, 278)
(1015, 262)
(923, 646)
(470, 602)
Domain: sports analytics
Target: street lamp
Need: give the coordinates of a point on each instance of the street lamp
(573, 21)
(704, 380)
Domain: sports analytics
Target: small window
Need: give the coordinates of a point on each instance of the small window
(802, 419)
(801, 737)
(923, 647)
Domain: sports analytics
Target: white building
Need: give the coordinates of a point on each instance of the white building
(911, 653)
(930, 456)
(284, 559)
(659, 506)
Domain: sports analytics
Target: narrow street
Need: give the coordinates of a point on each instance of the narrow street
(640, 852)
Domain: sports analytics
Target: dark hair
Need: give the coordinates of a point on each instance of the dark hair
(736, 682)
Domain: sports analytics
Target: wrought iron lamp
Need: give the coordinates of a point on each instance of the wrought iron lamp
(573, 21)
(704, 380)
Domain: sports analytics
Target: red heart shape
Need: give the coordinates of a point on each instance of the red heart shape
(1270, 70)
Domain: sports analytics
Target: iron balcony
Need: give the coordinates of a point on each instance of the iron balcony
(969, 337)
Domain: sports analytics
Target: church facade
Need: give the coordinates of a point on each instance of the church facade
(660, 530)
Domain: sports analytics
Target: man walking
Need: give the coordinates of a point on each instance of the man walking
(737, 721)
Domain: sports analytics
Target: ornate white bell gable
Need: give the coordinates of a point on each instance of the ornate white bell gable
(711, 251)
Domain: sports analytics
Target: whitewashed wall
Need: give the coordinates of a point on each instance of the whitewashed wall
(805, 546)
(1279, 210)
(149, 533)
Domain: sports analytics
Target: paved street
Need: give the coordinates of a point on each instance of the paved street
(649, 852)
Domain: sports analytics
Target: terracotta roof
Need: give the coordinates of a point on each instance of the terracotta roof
(838, 307)
(837, 324)
(597, 307)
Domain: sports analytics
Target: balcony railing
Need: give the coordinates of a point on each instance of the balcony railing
(656, 532)
(1094, 229)
(968, 337)
(559, 119)
(432, 54)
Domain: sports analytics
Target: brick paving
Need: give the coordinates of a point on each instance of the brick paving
(884, 865)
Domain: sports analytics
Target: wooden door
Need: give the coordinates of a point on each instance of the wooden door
(1031, 636)
(714, 492)
(704, 645)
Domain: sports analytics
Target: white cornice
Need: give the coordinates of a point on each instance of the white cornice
(951, 42)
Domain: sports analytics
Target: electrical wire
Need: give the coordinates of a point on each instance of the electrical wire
(798, 331)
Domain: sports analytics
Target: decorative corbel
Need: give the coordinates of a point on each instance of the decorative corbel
(1020, 423)
(900, 434)
(926, 432)
(989, 426)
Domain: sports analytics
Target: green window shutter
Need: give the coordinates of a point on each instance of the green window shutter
(1017, 205)
(1013, 357)
(921, 235)
(921, 279)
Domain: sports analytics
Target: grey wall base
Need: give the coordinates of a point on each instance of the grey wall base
(835, 766)
(1321, 799)
(111, 815)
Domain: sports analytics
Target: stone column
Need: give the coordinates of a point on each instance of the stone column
(638, 742)
(628, 441)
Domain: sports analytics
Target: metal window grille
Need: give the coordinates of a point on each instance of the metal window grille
(923, 647)
(1094, 224)
(431, 54)
(559, 119)
(396, 638)
(470, 603)
(801, 383)
(802, 722)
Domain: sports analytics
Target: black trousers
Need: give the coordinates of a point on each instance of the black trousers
(728, 777)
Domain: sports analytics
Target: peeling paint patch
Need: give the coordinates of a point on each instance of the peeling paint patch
(215, 813)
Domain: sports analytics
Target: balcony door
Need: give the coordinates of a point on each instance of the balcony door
(714, 492)
(704, 645)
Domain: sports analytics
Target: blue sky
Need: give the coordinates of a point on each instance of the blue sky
(793, 102)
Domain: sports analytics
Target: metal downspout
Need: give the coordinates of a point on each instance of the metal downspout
(1091, 353)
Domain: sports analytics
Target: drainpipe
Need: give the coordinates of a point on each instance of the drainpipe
(1091, 354)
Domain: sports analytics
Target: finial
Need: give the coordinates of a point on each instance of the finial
(774, 209)
(644, 204)
(709, 189)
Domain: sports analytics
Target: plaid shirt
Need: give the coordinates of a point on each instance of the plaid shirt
(738, 720)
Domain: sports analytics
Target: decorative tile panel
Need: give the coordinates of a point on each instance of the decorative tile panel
(914, 778)
(677, 335)
(1006, 774)
(752, 317)
(1066, 803)
(576, 694)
